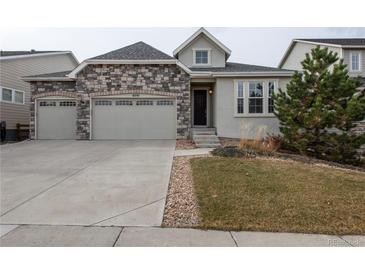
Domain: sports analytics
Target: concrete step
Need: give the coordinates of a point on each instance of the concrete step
(203, 130)
(207, 145)
(207, 137)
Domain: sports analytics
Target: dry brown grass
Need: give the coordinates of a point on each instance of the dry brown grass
(272, 195)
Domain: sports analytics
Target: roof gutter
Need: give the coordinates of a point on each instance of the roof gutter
(35, 79)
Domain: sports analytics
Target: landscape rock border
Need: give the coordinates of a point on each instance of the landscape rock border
(181, 208)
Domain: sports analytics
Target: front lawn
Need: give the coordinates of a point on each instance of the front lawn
(276, 195)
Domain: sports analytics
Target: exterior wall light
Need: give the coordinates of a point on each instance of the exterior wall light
(210, 92)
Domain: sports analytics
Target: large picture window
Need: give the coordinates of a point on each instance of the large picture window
(254, 98)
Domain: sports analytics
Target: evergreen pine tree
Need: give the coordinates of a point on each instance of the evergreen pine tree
(320, 108)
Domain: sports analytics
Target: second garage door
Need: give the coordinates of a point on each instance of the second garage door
(125, 119)
(56, 119)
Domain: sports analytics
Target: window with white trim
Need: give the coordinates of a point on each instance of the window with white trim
(201, 56)
(355, 61)
(240, 97)
(256, 94)
(254, 98)
(12, 96)
(18, 97)
(270, 100)
(6, 95)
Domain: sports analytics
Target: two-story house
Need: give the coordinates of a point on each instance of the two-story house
(351, 50)
(14, 92)
(139, 92)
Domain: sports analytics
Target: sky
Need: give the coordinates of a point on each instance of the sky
(258, 46)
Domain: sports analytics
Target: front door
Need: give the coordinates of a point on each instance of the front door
(200, 107)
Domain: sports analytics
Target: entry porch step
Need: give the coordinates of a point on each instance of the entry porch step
(205, 137)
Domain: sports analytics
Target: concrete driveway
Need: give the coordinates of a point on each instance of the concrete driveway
(100, 183)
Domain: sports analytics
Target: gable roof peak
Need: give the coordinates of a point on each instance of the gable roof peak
(203, 31)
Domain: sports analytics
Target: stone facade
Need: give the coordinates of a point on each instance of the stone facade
(106, 80)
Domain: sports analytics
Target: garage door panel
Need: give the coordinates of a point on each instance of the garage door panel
(56, 119)
(134, 119)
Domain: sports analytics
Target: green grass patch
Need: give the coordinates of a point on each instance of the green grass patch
(271, 195)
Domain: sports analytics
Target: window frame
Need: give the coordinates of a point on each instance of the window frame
(208, 50)
(12, 96)
(359, 61)
(246, 97)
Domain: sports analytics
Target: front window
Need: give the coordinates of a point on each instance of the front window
(6, 95)
(254, 98)
(355, 61)
(255, 103)
(201, 57)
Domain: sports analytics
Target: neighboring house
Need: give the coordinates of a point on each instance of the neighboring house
(351, 50)
(139, 92)
(14, 92)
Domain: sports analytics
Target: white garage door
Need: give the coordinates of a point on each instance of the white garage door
(56, 119)
(118, 119)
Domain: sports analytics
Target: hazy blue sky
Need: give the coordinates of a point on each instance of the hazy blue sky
(261, 46)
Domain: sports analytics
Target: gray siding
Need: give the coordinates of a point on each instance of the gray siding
(11, 72)
(217, 55)
(346, 57)
(240, 127)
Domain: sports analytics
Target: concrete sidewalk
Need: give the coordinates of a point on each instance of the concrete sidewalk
(192, 152)
(44, 235)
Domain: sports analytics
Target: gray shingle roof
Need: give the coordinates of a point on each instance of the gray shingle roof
(6, 53)
(54, 74)
(339, 41)
(137, 51)
(238, 67)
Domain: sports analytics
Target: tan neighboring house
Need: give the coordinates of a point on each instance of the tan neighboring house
(14, 92)
(351, 50)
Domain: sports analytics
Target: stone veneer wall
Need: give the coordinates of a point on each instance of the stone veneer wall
(105, 79)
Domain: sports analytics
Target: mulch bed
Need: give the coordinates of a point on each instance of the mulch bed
(185, 144)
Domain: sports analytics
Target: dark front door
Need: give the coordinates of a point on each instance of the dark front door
(200, 107)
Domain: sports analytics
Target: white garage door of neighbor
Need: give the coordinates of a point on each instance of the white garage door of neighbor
(56, 119)
(125, 119)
